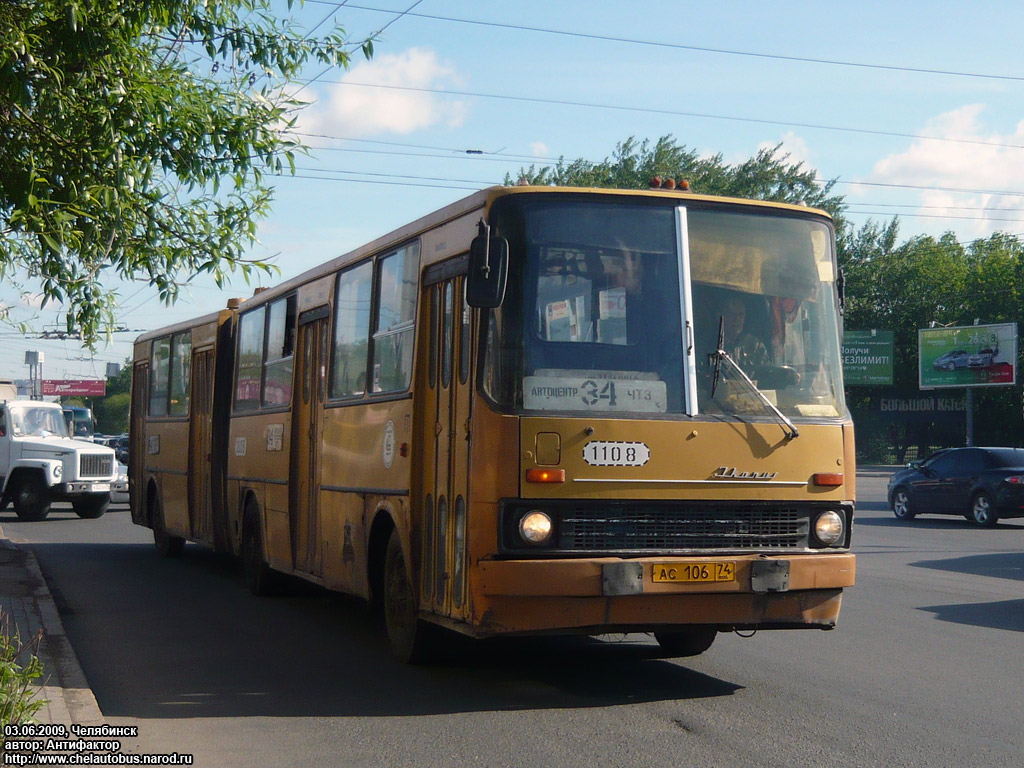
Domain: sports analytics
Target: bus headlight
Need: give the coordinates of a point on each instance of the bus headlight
(828, 528)
(535, 527)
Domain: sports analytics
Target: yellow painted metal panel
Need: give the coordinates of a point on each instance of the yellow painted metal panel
(692, 460)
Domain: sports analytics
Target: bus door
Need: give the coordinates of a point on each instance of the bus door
(137, 443)
(307, 415)
(200, 449)
(447, 477)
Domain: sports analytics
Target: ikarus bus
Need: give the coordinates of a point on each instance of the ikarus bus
(540, 410)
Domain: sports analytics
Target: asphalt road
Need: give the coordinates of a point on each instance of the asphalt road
(924, 669)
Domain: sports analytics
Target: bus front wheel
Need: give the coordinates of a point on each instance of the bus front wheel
(411, 639)
(692, 643)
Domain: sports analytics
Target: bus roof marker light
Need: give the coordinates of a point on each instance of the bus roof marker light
(545, 475)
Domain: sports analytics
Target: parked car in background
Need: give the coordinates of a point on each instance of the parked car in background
(40, 463)
(120, 446)
(982, 484)
(958, 358)
(119, 488)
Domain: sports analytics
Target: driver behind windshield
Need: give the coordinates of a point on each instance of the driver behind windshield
(742, 345)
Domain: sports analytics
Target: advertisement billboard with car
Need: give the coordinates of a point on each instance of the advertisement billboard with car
(967, 356)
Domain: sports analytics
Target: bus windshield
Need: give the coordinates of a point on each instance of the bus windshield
(596, 307)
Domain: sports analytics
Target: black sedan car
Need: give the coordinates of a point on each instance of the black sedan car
(982, 484)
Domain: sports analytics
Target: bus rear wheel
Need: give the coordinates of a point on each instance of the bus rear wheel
(680, 644)
(167, 545)
(412, 641)
(259, 577)
(32, 499)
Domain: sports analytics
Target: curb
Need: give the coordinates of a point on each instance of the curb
(69, 699)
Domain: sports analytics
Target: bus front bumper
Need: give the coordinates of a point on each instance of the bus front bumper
(639, 595)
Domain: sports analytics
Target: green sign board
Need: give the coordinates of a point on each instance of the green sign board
(867, 358)
(967, 356)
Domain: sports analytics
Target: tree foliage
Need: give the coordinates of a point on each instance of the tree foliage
(768, 175)
(137, 138)
(906, 287)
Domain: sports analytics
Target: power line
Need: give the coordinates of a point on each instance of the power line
(481, 184)
(370, 181)
(676, 113)
(700, 49)
(933, 207)
(473, 154)
(399, 183)
(458, 152)
(980, 219)
(1001, 193)
(337, 7)
(430, 156)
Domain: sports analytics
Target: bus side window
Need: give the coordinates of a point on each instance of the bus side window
(277, 380)
(352, 330)
(397, 284)
(250, 360)
(159, 380)
(180, 375)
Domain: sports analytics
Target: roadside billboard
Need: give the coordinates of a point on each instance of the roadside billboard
(69, 387)
(967, 356)
(867, 358)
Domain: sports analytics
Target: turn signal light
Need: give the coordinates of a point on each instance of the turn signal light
(827, 479)
(545, 475)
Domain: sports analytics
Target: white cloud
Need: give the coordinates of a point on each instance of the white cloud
(351, 110)
(980, 161)
(794, 146)
(539, 149)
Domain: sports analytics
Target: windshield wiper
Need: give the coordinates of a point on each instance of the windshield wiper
(719, 355)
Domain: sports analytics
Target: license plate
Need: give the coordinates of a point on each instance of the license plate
(694, 572)
(100, 487)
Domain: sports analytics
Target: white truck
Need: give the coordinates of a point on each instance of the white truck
(40, 463)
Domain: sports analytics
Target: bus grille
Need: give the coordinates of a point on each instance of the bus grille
(95, 465)
(684, 529)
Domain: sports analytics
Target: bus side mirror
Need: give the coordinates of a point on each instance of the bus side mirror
(488, 271)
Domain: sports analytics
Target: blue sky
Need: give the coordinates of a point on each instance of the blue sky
(933, 147)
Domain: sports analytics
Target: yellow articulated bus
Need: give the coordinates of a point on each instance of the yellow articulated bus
(181, 394)
(537, 410)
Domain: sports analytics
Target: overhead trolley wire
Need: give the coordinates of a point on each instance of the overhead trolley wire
(676, 113)
(697, 48)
